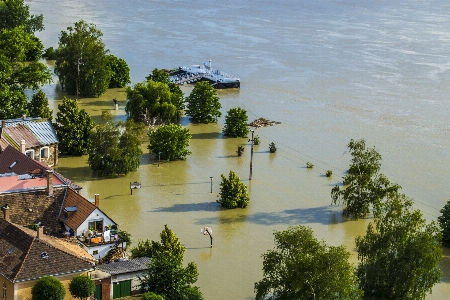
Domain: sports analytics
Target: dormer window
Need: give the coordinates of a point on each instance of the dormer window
(30, 153)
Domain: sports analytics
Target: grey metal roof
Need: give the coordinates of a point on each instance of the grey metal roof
(42, 129)
(125, 266)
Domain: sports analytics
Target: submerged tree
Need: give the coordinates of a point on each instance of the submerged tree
(365, 186)
(203, 104)
(400, 253)
(120, 76)
(163, 77)
(444, 221)
(169, 142)
(38, 107)
(233, 193)
(301, 267)
(236, 123)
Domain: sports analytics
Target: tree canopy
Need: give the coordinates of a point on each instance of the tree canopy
(82, 63)
(444, 221)
(203, 104)
(115, 146)
(170, 142)
(48, 288)
(233, 193)
(301, 267)
(73, 127)
(163, 77)
(365, 186)
(400, 253)
(236, 123)
(152, 102)
(38, 106)
(81, 286)
(166, 275)
(120, 76)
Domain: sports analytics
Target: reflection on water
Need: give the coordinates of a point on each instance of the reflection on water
(328, 71)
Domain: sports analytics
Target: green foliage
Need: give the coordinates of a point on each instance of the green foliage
(256, 140)
(48, 288)
(172, 141)
(126, 236)
(309, 165)
(301, 267)
(50, 53)
(120, 76)
(115, 146)
(38, 107)
(15, 13)
(33, 227)
(236, 123)
(154, 100)
(365, 185)
(233, 193)
(400, 254)
(169, 246)
(444, 222)
(166, 275)
(329, 173)
(73, 127)
(203, 104)
(163, 77)
(151, 296)
(83, 43)
(272, 148)
(81, 286)
(15, 75)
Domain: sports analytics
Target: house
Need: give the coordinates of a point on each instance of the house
(122, 276)
(35, 194)
(26, 256)
(35, 137)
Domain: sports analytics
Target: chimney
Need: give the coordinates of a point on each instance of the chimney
(96, 200)
(22, 146)
(3, 123)
(50, 182)
(40, 232)
(6, 210)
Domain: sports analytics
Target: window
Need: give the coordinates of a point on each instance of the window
(44, 152)
(4, 291)
(30, 153)
(96, 225)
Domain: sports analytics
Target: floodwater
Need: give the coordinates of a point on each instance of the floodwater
(328, 71)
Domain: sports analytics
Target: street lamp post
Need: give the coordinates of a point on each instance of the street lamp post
(211, 182)
(159, 158)
(251, 157)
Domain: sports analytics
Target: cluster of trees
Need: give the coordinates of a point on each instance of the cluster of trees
(166, 276)
(398, 256)
(50, 288)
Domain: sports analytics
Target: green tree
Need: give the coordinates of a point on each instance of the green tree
(151, 296)
(365, 186)
(444, 221)
(203, 104)
(301, 267)
(120, 76)
(400, 253)
(170, 141)
(115, 146)
(154, 101)
(166, 275)
(15, 74)
(236, 123)
(48, 288)
(233, 193)
(163, 77)
(38, 107)
(73, 127)
(81, 286)
(83, 59)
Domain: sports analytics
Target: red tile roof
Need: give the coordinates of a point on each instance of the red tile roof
(14, 183)
(84, 209)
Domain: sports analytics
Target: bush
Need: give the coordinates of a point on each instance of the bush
(151, 296)
(329, 173)
(81, 286)
(272, 148)
(48, 288)
(309, 165)
(256, 140)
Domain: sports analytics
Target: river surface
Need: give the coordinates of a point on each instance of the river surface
(329, 71)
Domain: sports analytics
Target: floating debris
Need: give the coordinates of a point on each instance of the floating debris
(261, 122)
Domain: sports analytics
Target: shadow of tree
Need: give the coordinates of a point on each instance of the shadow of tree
(206, 136)
(188, 207)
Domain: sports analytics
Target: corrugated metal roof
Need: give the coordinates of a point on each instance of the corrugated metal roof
(14, 135)
(126, 266)
(43, 130)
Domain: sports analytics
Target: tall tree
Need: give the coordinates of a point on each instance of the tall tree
(82, 61)
(48, 288)
(120, 76)
(81, 286)
(301, 267)
(115, 146)
(236, 123)
(233, 193)
(400, 253)
(73, 127)
(444, 221)
(365, 186)
(203, 104)
(163, 77)
(38, 107)
(152, 102)
(170, 142)
(166, 275)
